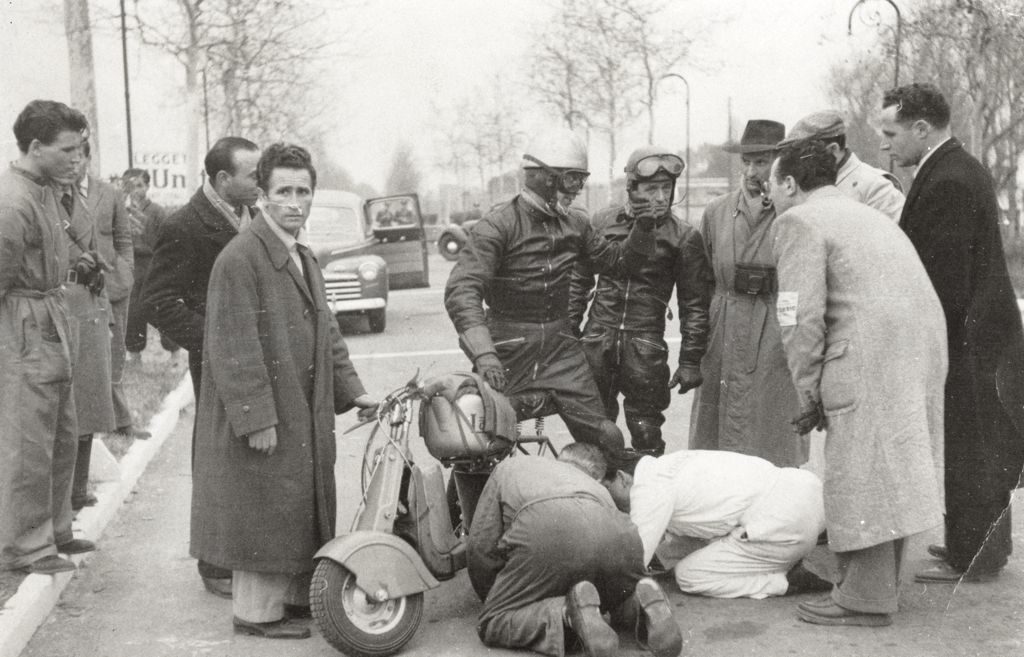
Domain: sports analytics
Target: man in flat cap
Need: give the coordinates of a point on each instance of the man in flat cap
(747, 399)
(858, 180)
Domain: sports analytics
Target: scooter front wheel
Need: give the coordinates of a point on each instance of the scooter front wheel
(356, 624)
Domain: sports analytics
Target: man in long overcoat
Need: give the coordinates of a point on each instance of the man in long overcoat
(746, 400)
(952, 218)
(187, 244)
(864, 336)
(277, 370)
(38, 438)
(88, 303)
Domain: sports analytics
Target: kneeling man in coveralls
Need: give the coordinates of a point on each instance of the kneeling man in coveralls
(548, 552)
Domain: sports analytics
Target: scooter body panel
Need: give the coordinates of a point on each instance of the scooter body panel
(385, 566)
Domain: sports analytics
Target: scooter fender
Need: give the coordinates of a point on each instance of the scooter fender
(385, 566)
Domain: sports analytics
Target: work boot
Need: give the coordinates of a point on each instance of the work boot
(656, 627)
(583, 615)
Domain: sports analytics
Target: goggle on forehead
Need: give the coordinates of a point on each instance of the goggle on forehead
(570, 181)
(649, 166)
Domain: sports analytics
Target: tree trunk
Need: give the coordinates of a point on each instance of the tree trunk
(194, 102)
(83, 77)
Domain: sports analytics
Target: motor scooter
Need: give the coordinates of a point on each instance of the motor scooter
(409, 531)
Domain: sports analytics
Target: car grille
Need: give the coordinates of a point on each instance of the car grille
(343, 286)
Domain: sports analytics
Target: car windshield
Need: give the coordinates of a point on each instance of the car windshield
(334, 225)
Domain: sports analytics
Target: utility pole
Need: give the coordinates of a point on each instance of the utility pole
(127, 94)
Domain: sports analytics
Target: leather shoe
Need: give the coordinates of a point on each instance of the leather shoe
(281, 629)
(128, 431)
(583, 613)
(76, 546)
(49, 565)
(219, 586)
(938, 551)
(802, 580)
(833, 614)
(297, 612)
(943, 573)
(656, 628)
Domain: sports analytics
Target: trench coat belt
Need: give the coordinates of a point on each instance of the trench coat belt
(50, 299)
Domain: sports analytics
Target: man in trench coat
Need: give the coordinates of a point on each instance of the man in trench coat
(952, 218)
(277, 371)
(864, 337)
(746, 400)
(38, 438)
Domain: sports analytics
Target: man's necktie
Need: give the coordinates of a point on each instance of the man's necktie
(68, 202)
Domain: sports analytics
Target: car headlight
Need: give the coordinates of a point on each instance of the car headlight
(369, 271)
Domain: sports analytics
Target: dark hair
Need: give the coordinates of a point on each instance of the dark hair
(918, 101)
(283, 156)
(44, 120)
(222, 156)
(809, 162)
(136, 173)
(86, 149)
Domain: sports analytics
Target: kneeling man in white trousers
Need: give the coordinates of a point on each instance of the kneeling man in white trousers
(758, 520)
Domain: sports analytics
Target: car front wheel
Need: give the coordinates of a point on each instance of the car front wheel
(449, 246)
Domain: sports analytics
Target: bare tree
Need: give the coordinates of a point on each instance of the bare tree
(598, 62)
(403, 176)
(259, 74)
(82, 70)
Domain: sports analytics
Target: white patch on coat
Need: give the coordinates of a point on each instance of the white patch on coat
(785, 308)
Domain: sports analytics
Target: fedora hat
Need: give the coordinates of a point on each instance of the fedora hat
(759, 136)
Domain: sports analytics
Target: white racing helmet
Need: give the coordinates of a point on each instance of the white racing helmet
(556, 148)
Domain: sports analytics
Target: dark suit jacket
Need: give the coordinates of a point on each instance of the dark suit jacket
(187, 244)
(952, 217)
(113, 236)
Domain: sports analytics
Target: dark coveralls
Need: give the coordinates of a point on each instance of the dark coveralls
(540, 527)
(519, 262)
(624, 339)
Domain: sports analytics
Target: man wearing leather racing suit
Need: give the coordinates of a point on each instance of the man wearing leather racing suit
(519, 261)
(624, 340)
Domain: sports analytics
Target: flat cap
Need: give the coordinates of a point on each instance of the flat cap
(819, 125)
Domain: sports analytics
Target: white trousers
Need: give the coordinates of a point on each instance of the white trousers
(779, 529)
(261, 597)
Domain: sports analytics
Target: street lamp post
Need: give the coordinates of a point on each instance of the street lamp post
(875, 19)
(687, 84)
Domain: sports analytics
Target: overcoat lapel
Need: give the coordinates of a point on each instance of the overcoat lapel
(279, 256)
(921, 177)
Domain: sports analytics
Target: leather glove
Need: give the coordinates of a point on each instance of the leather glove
(86, 264)
(489, 367)
(687, 377)
(645, 215)
(812, 417)
(97, 282)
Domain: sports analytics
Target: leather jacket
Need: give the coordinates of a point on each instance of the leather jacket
(640, 302)
(519, 262)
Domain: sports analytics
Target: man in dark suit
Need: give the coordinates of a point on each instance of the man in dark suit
(187, 244)
(952, 217)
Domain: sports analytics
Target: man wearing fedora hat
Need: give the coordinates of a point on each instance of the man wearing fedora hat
(858, 180)
(748, 399)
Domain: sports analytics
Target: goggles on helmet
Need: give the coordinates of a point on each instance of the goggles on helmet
(570, 181)
(649, 166)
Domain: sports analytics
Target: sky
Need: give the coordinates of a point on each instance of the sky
(415, 56)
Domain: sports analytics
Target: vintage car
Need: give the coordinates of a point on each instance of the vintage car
(454, 236)
(355, 283)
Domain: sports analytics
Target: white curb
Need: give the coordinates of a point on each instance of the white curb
(26, 610)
